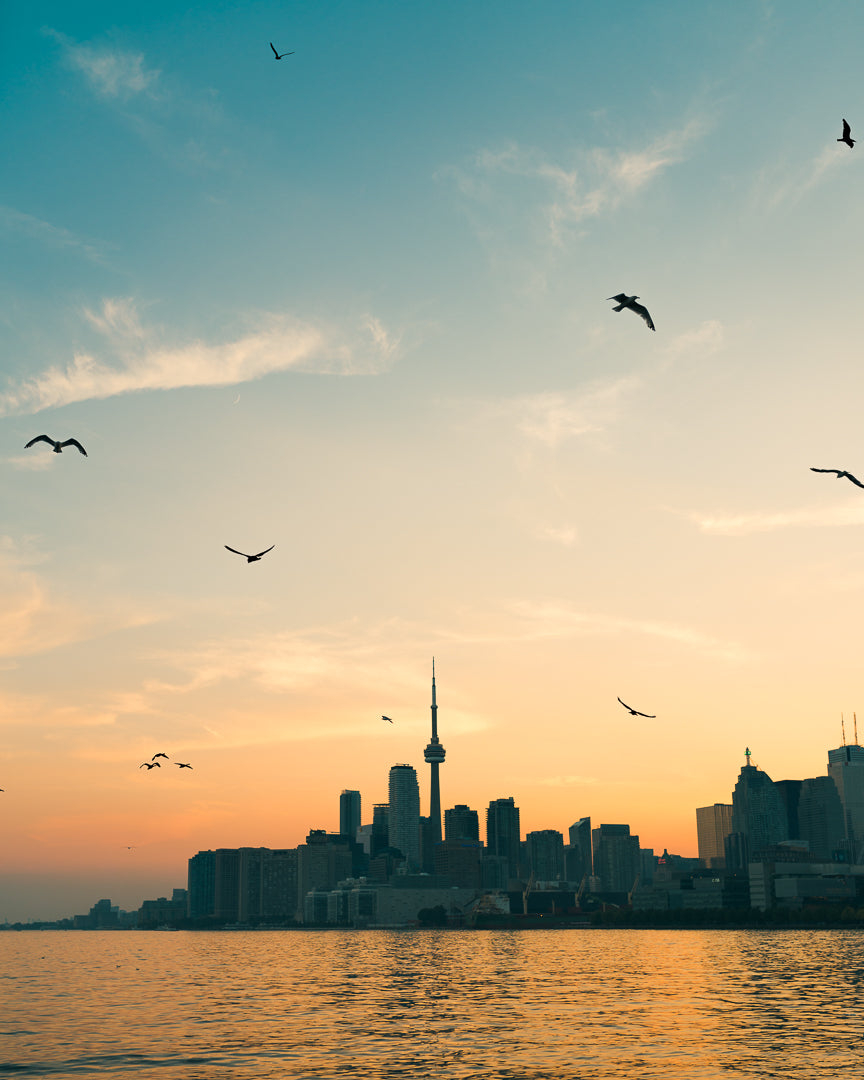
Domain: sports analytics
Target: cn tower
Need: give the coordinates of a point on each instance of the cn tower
(434, 754)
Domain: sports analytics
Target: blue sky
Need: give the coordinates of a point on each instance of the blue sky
(353, 304)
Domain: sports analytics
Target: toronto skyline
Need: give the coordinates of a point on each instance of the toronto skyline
(347, 313)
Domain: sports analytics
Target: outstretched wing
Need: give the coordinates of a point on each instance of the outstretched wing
(648, 716)
(835, 471)
(621, 297)
(847, 131)
(854, 480)
(74, 442)
(260, 553)
(642, 311)
(387, 718)
(624, 703)
(39, 438)
(276, 54)
(236, 552)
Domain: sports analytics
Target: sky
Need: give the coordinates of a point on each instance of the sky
(353, 304)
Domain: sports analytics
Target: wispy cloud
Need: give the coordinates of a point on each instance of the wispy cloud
(142, 361)
(111, 72)
(558, 619)
(554, 417)
(43, 232)
(567, 535)
(806, 517)
(593, 182)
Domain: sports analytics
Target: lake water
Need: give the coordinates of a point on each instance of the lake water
(454, 1005)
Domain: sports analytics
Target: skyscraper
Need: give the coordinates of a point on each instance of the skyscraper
(503, 835)
(616, 857)
(846, 768)
(349, 813)
(545, 854)
(758, 813)
(461, 823)
(404, 816)
(713, 825)
(578, 855)
(434, 755)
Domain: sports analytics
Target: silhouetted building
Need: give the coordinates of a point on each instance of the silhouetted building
(380, 828)
(459, 862)
(461, 823)
(267, 885)
(758, 813)
(846, 769)
(404, 818)
(325, 859)
(821, 822)
(616, 858)
(201, 882)
(503, 835)
(545, 855)
(713, 825)
(578, 860)
(349, 813)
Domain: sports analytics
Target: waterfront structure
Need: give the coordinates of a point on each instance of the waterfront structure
(459, 862)
(545, 851)
(461, 823)
(503, 835)
(758, 814)
(349, 813)
(616, 858)
(713, 825)
(434, 756)
(404, 815)
(380, 829)
(846, 769)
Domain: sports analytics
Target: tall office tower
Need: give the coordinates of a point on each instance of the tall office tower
(616, 857)
(821, 821)
(349, 813)
(214, 884)
(461, 823)
(577, 855)
(846, 769)
(713, 825)
(758, 814)
(380, 828)
(545, 854)
(503, 835)
(434, 755)
(404, 825)
(790, 792)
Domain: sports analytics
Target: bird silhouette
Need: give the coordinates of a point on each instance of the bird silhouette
(635, 712)
(150, 765)
(183, 764)
(387, 718)
(250, 558)
(847, 135)
(158, 755)
(840, 473)
(279, 55)
(630, 302)
(55, 444)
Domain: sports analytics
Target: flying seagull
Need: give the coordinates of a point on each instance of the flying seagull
(630, 302)
(387, 718)
(148, 765)
(183, 764)
(250, 558)
(847, 135)
(158, 755)
(635, 712)
(55, 444)
(840, 473)
(279, 55)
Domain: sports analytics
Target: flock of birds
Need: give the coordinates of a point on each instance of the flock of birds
(622, 301)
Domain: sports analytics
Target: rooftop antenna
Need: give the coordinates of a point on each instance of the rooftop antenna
(843, 728)
(855, 721)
